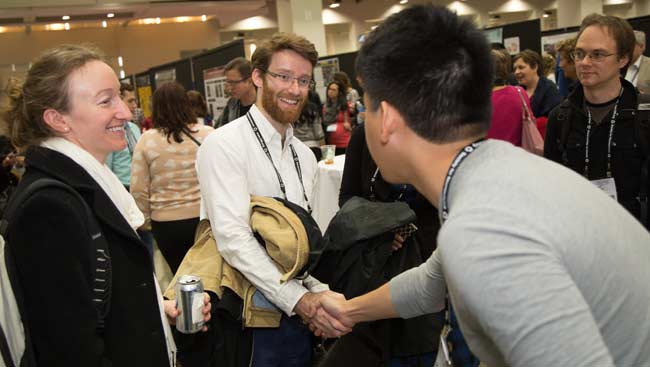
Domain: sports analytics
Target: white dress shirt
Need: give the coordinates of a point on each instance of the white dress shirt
(632, 74)
(231, 167)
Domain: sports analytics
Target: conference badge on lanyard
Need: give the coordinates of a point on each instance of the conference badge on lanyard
(443, 357)
(608, 185)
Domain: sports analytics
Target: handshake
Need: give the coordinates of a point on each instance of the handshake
(326, 313)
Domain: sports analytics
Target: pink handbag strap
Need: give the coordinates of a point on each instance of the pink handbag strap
(528, 115)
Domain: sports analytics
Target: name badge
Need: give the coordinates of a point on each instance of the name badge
(608, 185)
(443, 358)
(331, 128)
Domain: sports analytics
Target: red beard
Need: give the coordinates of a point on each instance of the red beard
(270, 105)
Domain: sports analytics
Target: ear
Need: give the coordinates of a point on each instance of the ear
(56, 121)
(257, 77)
(623, 61)
(391, 121)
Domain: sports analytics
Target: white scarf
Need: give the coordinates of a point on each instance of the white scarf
(124, 202)
(103, 176)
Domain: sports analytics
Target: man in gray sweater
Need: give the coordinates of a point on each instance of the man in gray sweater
(541, 266)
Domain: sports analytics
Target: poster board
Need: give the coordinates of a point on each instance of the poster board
(214, 81)
(144, 92)
(163, 77)
(548, 42)
(323, 74)
(494, 35)
(512, 45)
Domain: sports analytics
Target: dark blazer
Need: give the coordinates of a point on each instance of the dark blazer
(55, 264)
(545, 98)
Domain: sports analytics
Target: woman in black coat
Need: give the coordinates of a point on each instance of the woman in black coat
(68, 116)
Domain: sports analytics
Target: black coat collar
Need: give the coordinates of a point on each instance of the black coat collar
(628, 100)
(43, 162)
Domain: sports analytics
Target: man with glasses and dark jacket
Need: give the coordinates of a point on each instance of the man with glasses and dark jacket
(598, 130)
(241, 88)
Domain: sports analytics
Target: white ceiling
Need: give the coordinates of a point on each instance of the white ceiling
(29, 10)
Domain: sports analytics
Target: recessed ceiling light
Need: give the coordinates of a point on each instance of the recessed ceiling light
(66, 26)
(104, 24)
(110, 15)
(157, 20)
(65, 17)
(204, 18)
(335, 4)
(404, 2)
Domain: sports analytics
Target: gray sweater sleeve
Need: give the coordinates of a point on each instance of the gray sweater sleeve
(419, 290)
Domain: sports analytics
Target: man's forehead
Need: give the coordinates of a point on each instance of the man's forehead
(599, 33)
(289, 60)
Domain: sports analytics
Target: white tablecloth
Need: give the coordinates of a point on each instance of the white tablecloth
(326, 192)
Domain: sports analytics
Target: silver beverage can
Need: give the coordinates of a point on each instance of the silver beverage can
(189, 300)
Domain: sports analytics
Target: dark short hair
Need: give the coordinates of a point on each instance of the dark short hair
(172, 111)
(434, 68)
(532, 58)
(126, 87)
(283, 41)
(619, 29)
(240, 64)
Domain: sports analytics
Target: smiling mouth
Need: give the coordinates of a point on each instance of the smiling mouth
(289, 101)
(115, 128)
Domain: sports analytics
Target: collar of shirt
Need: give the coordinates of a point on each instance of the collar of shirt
(632, 71)
(269, 133)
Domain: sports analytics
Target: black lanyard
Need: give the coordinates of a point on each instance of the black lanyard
(460, 157)
(612, 123)
(373, 179)
(296, 161)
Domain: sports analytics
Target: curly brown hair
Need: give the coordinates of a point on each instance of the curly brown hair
(565, 48)
(172, 111)
(283, 41)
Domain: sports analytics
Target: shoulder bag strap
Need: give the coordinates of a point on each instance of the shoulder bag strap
(191, 137)
(524, 106)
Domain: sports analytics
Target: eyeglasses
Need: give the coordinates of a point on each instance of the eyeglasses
(287, 80)
(595, 56)
(233, 82)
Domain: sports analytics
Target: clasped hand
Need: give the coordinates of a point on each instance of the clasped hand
(325, 313)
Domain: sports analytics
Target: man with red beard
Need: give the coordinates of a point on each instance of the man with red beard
(257, 154)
